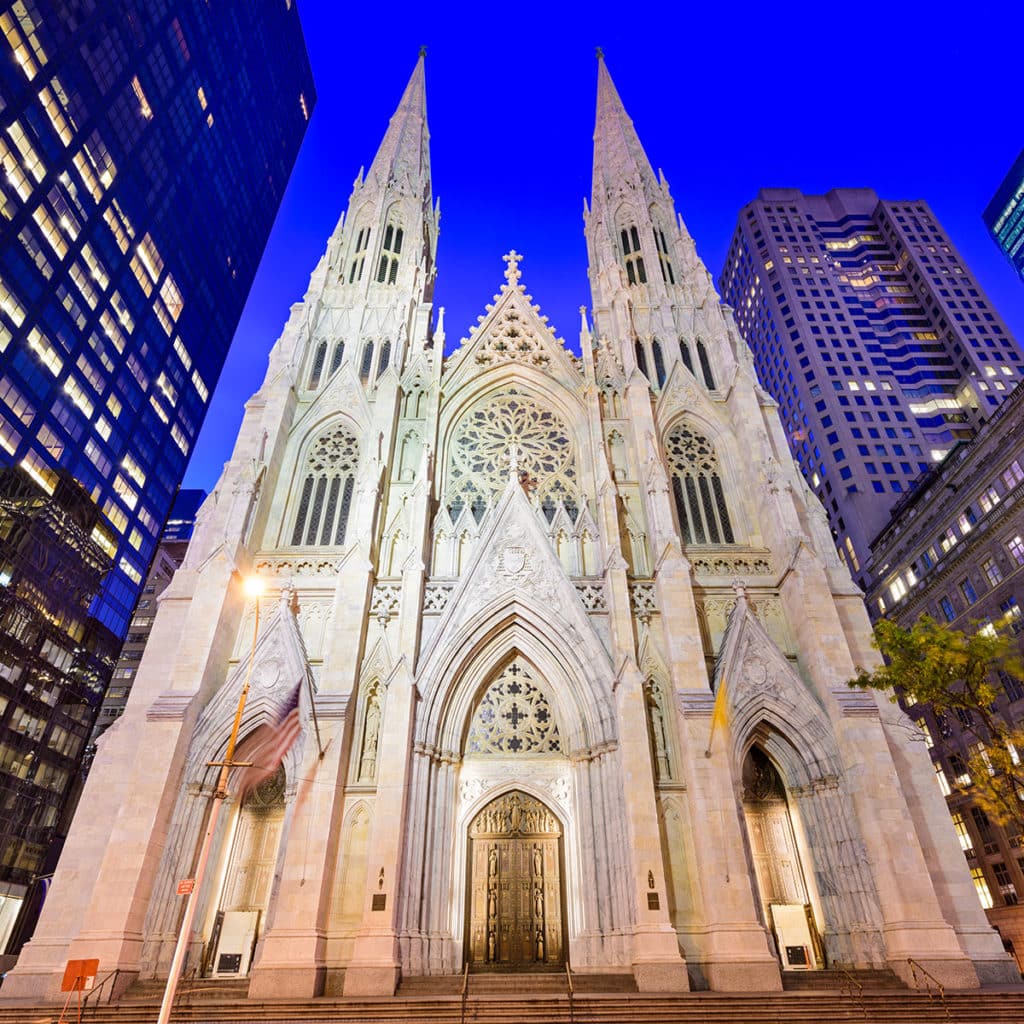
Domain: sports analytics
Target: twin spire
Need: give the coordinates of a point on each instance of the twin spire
(618, 153)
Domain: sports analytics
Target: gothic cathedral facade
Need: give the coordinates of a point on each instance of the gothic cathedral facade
(576, 637)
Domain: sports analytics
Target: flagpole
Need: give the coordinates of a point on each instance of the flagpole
(253, 586)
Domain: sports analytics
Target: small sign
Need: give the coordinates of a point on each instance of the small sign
(380, 901)
(185, 886)
(796, 956)
(79, 975)
(653, 901)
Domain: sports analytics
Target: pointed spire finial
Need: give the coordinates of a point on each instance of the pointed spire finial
(512, 273)
(423, 51)
(600, 53)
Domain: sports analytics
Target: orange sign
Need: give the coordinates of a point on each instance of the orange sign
(79, 975)
(185, 886)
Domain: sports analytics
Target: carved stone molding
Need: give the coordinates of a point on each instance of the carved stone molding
(169, 707)
(436, 596)
(592, 596)
(386, 600)
(642, 598)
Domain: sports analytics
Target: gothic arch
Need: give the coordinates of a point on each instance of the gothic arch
(455, 671)
(321, 497)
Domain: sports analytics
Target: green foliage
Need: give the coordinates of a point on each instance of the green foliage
(932, 663)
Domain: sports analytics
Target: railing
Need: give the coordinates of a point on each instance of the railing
(855, 988)
(570, 990)
(96, 989)
(932, 981)
(465, 991)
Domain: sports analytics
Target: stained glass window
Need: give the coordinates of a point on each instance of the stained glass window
(339, 354)
(705, 366)
(480, 450)
(330, 470)
(659, 362)
(684, 351)
(318, 365)
(697, 488)
(364, 366)
(513, 717)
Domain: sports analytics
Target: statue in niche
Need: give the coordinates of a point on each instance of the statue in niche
(371, 735)
(659, 734)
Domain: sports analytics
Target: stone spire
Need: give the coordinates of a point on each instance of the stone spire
(619, 156)
(404, 153)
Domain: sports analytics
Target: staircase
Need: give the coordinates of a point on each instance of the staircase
(837, 981)
(518, 1004)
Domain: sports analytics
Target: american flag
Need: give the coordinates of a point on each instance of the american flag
(272, 745)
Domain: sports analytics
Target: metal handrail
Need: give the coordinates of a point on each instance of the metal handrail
(95, 990)
(858, 997)
(914, 968)
(465, 990)
(571, 991)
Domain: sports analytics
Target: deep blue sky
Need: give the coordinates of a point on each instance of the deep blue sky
(916, 100)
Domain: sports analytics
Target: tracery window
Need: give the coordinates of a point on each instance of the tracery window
(666, 264)
(367, 361)
(506, 424)
(385, 357)
(325, 500)
(339, 354)
(635, 271)
(705, 365)
(684, 351)
(355, 272)
(641, 357)
(387, 269)
(513, 717)
(316, 372)
(659, 362)
(697, 488)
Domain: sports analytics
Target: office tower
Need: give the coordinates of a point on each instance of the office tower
(954, 550)
(1004, 216)
(872, 335)
(506, 582)
(145, 148)
(170, 553)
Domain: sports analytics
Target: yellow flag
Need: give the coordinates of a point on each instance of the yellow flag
(719, 715)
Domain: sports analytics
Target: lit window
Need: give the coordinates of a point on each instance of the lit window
(144, 108)
(989, 500)
(1015, 545)
(981, 888)
(992, 571)
(942, 780)
(960, 826)
(1013, 474)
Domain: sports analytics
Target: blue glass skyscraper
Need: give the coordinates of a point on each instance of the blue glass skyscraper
(145, 148)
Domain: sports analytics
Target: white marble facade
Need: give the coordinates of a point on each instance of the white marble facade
(520, 576)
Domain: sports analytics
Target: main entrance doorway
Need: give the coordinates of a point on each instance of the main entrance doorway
(515, 886)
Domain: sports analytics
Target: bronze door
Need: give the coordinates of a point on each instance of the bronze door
(515, 885)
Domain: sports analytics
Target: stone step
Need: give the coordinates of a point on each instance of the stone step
(897, 1007)
(837, 980)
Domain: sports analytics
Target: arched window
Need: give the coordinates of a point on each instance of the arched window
(697, 488)
(385, 357)
(391, 249)
(635, 271)
(326, 496)
(318, 365)
(339, 354)
(684, 351)
(705, 366)
(666, 264)
(659, 362)
(485, 438)
(364, 366)
(355, 272)
(641, 357)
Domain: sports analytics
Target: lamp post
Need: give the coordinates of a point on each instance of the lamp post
(253, 587)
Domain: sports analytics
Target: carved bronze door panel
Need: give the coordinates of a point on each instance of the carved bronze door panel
(515, 898)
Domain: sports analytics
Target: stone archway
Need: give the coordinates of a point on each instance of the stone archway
(515, 916)
(778, 866)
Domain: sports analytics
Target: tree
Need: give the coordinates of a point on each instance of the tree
(955, 672)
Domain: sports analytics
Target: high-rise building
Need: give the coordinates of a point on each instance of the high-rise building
(869, 330)
(510, 584)
(954, 550)
(145, 147)
(1004, 216)
(170, 553)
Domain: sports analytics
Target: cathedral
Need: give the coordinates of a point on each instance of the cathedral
(570, 640)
